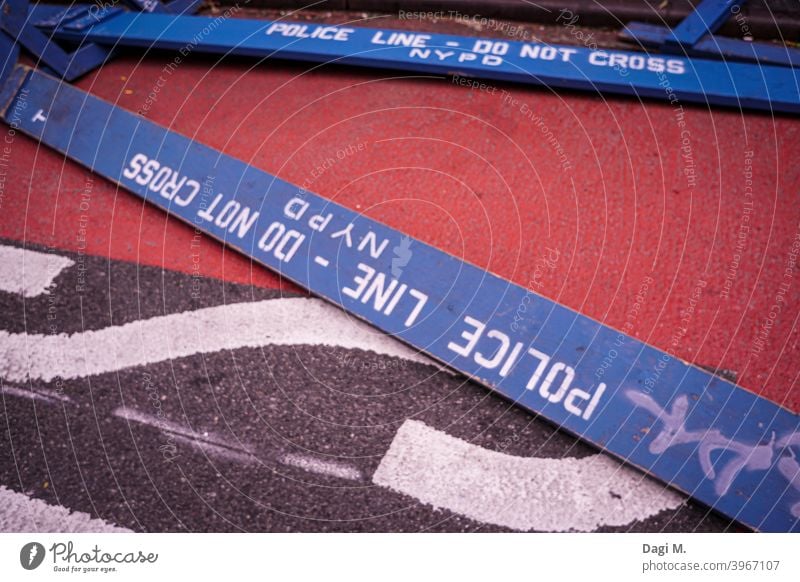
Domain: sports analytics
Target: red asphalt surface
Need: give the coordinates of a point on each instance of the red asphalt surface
(463, 170)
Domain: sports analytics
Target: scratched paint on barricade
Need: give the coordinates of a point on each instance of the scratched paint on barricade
(668, 77)
(719, 443)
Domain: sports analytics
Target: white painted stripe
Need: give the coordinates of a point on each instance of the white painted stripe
(322, 261)
(41, 394)
(235, 451)
(27, 272)
(322, 466)
(520, 493)
(292, 321)
(20, 513)
(210, 443)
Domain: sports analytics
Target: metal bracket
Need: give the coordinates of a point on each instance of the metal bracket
(694, 36)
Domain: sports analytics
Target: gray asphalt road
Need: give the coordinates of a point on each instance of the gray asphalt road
(264, 438)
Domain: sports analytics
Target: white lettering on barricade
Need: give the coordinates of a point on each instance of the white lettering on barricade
(385, 297)
(163, 180)
(556, 387)
(335, 33)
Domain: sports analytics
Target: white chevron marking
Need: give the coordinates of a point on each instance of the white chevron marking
(291, 321)
(27, 272)
(20, 513)
(521, 493)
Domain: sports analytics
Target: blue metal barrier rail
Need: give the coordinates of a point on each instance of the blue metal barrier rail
(715, 46)
(658, 76)
(17, 28)
(706, 18)
(720, 444)
(694, 36)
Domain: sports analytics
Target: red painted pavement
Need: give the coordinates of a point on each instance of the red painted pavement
(601, 184)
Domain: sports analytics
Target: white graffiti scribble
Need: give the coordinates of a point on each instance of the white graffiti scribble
(402, 255)
(750, 457)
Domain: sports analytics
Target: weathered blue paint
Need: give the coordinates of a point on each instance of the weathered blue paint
(717, 442)
(667, 77)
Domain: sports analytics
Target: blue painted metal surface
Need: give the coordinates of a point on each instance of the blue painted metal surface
(719, 443)
(9, 55)
(146, 5)
(20, 23)
(706, 18)
(694, 37)
(571, 67)
(715, 46)
(15, 24)
(172, 7)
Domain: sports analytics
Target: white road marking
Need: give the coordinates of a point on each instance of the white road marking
(27, 272)
(321, 466)
(291, 321)
(520, 493)
(41, 394)
(438, 469)
(20, 513)
(236, 451)
(212, 444)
